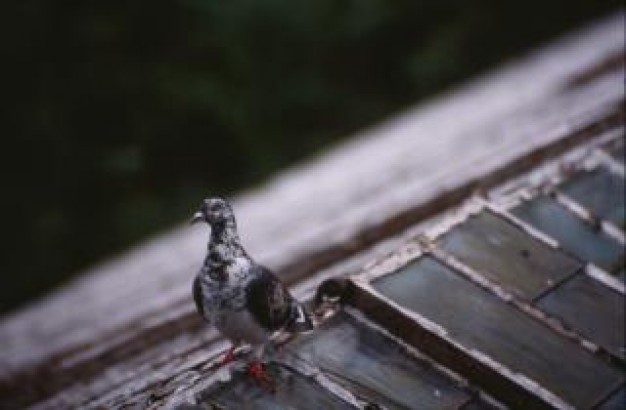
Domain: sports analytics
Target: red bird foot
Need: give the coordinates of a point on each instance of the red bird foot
(256, 370)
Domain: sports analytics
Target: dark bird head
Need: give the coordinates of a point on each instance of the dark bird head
(216, 212)
(331, 291)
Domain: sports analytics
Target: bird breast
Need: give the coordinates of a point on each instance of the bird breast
(228, 294)
(238, 270)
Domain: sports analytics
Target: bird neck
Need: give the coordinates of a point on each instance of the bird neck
(224, 245)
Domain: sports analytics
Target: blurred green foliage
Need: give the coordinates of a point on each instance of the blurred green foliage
(124, 114)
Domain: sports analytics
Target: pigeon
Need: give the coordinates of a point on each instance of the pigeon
(244, 300)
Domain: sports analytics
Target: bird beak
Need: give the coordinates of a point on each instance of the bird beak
(197, 217)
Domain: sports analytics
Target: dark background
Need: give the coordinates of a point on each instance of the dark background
(120, 116)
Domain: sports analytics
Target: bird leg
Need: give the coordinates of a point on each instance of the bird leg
(256, 370)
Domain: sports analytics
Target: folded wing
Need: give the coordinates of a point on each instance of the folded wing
(273, 306)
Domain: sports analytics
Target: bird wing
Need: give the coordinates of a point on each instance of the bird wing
(268, 300)
(197, 296)
(272, 305)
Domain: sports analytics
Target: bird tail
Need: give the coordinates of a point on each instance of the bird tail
(299, 320)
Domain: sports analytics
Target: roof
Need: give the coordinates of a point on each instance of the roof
(502, 193)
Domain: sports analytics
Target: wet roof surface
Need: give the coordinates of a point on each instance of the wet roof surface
(601, 191)
(481, 321)
(293, 391)
(506, 254)
(575, 235)
(372, 366)
(378, 368)
(590, 308)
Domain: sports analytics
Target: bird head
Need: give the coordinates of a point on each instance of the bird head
(214, 211)
(331, 291)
